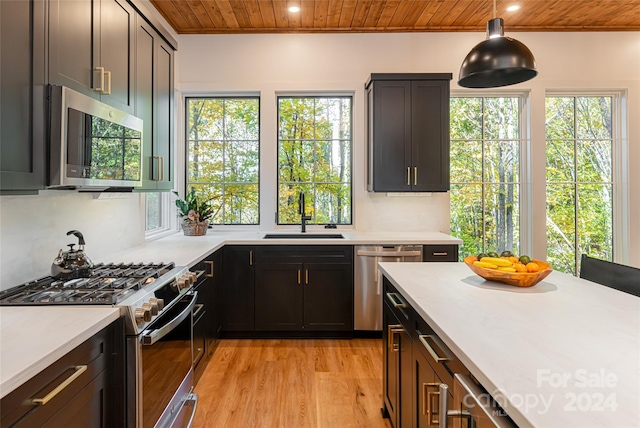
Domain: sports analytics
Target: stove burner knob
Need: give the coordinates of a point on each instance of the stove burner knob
(151, 308)
(142, 315)
(158, 302)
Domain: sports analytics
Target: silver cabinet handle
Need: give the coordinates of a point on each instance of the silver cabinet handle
(423, 339)
(78, 370)
(408, 176)
(415, 175)
(250, 257)
(393, 301)
(107, 91)
(441, 253)
(210, 264)
(393, 254)
(445, 413)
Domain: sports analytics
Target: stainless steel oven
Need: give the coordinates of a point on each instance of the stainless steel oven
(161, 361)
(157, 302)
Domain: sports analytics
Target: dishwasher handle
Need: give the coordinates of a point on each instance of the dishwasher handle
(388, 253)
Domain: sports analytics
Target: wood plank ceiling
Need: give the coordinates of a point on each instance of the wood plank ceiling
(336, 16)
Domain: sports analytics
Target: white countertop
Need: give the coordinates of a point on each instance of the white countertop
(32, 338)
(188, 250)
(563, 353)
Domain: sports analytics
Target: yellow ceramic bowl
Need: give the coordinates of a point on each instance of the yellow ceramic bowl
(519, 279)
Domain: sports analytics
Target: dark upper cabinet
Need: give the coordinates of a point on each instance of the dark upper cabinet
(154, 105)
(238, 272)
(91, 49)
(408, 132)
(23, 100)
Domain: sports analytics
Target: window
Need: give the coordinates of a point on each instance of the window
(158, 220)
(314, 157)
(223, 155)
(579, 147)
(485, 180)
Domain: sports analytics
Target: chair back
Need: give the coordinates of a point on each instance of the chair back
(614, 275)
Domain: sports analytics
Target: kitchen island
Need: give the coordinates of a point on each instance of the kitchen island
(564, 353)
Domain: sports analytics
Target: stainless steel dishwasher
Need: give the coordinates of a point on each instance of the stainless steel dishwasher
(368, 283)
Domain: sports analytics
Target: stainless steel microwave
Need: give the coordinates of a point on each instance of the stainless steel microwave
(93, 146)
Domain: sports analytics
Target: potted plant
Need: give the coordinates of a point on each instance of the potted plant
(195, 212)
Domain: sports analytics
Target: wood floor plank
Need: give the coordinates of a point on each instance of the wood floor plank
(292, 384)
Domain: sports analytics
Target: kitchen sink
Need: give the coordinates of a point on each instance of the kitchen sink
(303, 236)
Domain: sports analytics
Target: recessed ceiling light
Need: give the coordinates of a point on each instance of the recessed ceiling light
(294, 9)
(513, 8)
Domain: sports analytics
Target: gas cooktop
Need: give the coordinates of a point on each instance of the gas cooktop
(109, 284)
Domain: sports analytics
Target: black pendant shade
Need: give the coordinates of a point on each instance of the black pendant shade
(497, 61)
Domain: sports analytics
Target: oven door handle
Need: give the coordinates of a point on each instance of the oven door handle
(151, 337)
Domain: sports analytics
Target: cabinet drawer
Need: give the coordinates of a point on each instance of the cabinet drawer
(439, 356)
(69, 375)
(440, 253)
(396, 303)
(305, 253)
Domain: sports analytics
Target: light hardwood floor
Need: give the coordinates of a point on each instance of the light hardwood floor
(292, 384)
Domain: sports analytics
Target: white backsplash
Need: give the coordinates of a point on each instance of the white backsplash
(34, 228)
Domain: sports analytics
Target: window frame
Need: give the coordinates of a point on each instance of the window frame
(302, 95)
(185, 164)
(619, 165)
(524, 158)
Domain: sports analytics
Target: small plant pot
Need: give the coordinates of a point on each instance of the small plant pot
(195, 229)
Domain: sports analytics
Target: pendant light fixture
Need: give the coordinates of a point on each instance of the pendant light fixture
(497, 61)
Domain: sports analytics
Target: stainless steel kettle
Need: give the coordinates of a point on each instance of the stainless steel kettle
(72, 263)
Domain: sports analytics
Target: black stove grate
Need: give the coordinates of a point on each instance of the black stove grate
(108, 284)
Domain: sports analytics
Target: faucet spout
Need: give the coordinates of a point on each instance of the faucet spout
(301, 209)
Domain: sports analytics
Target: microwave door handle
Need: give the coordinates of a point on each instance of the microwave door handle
(151, 337)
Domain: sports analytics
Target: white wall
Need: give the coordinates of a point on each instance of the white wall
(33, 228)
(275, 63)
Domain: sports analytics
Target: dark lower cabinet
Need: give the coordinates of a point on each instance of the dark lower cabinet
(304, 288)
(23, 101)
(207, 315)
(92, 377)
(415, 363)
(397, 362)
(238, 299)
(279, 296)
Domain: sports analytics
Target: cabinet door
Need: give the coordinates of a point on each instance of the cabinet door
(215, 318)
(117, 20)
(238, 289)
(328, 296)
(391, 363)
(22, 79)
(278, 294)
(146, 40)
(73, 28)
(163, 141)
(430, 135)
(427, 394)
(391, 136)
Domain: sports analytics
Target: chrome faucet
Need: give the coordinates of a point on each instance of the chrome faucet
(303, 217)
